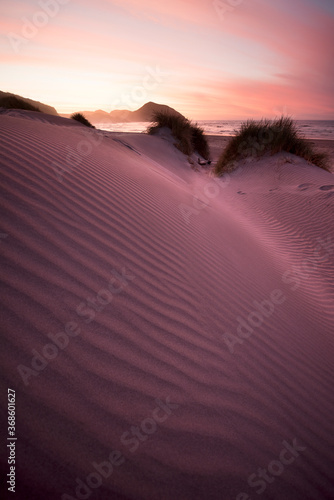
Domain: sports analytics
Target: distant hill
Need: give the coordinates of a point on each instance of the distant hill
(44, 108)
(143, 114)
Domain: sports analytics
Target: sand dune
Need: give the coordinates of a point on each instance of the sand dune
(193, 318)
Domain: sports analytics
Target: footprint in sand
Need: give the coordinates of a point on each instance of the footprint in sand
(328, 195)
(327, 188)
(304, 187)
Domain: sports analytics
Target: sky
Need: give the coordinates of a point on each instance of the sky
(209, 59)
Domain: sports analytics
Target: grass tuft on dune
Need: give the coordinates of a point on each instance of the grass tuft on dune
(256, 138)
(190, 137)
(13, 102)
(199, 141)
(79, 117)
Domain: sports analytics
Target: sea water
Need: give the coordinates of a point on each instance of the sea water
(311, 129)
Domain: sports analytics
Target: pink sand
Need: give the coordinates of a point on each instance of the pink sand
(195, 253)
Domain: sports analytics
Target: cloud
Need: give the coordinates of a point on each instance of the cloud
(199, 12)
(260, 56)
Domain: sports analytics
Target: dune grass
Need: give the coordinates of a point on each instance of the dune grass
(199, 141)
(190, 138)
(79, 117)
(13, 102)
(179, 126)
(256, 138)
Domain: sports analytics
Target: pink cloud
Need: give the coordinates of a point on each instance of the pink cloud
(303, 39)
(235, 99)
(262, 55)
(197, 12)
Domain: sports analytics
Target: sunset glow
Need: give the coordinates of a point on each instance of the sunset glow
(208, 60)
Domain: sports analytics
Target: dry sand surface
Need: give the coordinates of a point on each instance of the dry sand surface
(168, 335)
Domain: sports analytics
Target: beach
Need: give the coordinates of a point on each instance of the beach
(167, 334)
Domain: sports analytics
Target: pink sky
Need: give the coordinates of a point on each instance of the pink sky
(209, 59)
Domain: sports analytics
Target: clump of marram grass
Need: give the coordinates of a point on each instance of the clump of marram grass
(79, 117)
(13, 102)
(199, 142)
(254, 139)
(179, 126)
(189, 137)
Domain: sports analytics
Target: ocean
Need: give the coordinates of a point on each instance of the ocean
(311, 129)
